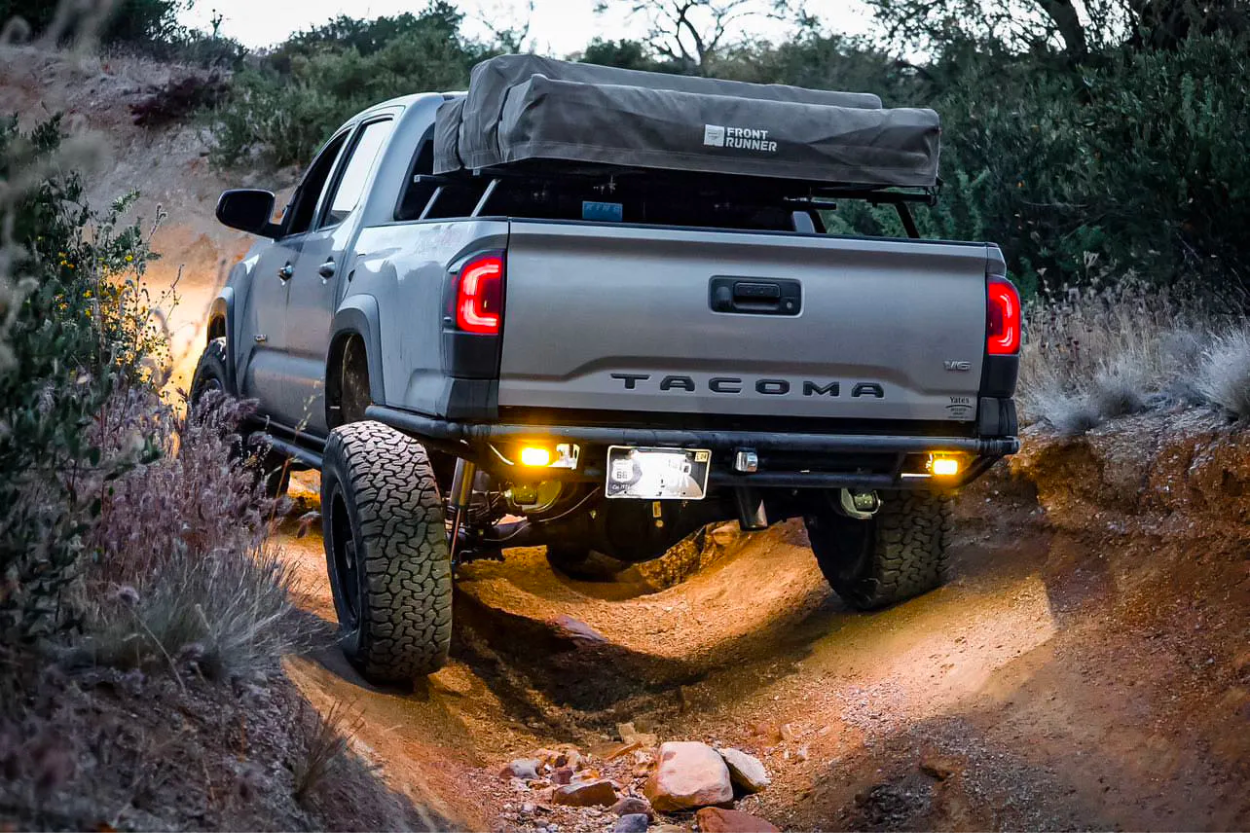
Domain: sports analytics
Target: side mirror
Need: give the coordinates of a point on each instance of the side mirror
(248, 209)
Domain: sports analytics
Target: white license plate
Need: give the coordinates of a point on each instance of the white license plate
(657, 473)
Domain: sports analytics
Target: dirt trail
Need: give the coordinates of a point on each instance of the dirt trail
(1059, 681)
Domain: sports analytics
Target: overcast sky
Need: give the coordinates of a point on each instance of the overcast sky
(557, 27)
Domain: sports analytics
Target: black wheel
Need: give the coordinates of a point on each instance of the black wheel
(274, 470)
(386, 550)
(898, 554)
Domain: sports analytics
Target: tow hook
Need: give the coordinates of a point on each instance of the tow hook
(859, 505)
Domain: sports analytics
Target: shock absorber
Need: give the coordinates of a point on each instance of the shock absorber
(461, 492)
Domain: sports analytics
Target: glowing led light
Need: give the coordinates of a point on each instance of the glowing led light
(945, 466)
(536, 456)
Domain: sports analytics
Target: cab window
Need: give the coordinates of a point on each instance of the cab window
(351, 182)
(304, 203)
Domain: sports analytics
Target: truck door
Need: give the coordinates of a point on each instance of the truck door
(322, 268)
(268, 370)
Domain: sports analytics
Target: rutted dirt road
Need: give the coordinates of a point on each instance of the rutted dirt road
(1059, 681)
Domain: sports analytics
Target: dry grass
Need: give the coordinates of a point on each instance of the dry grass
(325, 747)
(1224, 373)
(184, 576)
(1098, 354)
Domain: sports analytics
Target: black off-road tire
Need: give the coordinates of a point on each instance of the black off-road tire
(899, 554)
(274, 470)
(386, 550)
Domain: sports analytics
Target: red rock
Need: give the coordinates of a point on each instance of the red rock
(689, 775)
(563, 775)
(716, 820)
(590, 794)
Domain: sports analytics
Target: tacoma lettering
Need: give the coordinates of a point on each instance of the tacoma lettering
(736, 386)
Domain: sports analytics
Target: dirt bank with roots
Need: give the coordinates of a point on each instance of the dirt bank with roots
(1088, 665)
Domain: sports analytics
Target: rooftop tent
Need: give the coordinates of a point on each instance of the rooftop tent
(526, 110)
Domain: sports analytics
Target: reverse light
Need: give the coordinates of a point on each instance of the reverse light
(944, 467)
(1002, 331)
(536, 456)
(479, 295)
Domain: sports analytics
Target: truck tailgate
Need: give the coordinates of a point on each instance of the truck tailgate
(621, 318)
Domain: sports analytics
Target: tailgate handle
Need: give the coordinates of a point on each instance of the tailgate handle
(756, 293)
(755, 296)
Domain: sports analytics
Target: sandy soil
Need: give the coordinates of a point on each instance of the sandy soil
(1059, 681)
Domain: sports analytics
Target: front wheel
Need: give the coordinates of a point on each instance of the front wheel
(272, 469)
(896, 555)
(386, 551)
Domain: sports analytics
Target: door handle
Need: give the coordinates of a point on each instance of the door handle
(285, 273)
(326, 270)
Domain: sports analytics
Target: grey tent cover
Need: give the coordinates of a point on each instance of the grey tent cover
(528, 109)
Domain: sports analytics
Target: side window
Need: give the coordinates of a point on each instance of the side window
(351, 183)
(308, 195)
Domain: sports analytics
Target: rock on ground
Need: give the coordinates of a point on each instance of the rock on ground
(524, 768)
(689, 775)
(632, 805)
(589, 794)
(716, 820)
(745, 770)
(631, 823)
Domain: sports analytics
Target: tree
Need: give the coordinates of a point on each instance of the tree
(689, 33)
(1075, 28)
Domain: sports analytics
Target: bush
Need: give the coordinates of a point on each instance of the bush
(77, 329)
(281, 108)
(1139, 160)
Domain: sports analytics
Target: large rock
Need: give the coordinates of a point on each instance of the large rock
(716, 820)
(588, 794)
(689, 775)
(745, 770)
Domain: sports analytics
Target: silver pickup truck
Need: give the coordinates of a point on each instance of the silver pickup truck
(600, 360)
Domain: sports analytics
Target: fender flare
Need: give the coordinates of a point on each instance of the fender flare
(359, 316)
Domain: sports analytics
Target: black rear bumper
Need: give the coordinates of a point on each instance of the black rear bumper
(788, 459)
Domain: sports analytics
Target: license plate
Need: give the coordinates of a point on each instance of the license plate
(657, 473)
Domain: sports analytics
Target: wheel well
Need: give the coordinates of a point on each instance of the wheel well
(347, 380)
(216, 327)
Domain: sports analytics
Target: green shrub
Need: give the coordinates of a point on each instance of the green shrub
(1140, 161)
(77, 329)
(283, 107)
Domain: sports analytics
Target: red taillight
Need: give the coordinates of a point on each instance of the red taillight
(1002, 330)
(479, 295)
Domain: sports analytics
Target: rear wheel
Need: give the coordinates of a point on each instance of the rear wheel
(897, 554)
(386, 550)
(211, 379)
